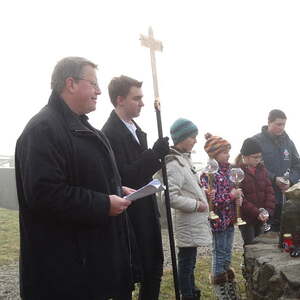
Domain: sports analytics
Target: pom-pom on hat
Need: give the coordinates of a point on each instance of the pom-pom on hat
(182, 129)
(250, 146)
(215, 144)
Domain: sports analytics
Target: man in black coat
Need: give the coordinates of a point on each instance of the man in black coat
(137, 164)
(73, 228)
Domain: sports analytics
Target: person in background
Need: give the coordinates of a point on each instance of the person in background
(224, 201)
(189, 202)
(257, 191)
(74, 242)
(137, 164)
(280, 157)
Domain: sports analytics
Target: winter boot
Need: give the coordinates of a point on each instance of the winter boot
(219, 286)
(231, 286)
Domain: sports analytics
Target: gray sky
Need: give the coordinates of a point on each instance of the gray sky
(225, 64)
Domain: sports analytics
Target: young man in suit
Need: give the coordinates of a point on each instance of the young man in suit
(137, 164)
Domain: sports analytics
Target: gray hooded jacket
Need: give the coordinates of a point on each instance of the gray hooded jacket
(191, 227)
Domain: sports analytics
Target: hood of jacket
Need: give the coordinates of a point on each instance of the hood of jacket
(181, 157)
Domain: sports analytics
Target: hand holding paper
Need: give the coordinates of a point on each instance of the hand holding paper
(127, 190)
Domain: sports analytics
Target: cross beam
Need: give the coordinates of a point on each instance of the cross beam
(153, 45)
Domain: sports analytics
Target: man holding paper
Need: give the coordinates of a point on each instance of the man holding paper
(73, 230)
(137, 164)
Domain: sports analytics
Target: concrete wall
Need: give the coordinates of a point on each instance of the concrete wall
(8, 192)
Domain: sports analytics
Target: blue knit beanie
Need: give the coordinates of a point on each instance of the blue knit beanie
(182, 129)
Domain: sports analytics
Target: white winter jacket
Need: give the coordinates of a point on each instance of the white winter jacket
(191, 227)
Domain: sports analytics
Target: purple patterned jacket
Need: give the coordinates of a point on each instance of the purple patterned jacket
(223, 205)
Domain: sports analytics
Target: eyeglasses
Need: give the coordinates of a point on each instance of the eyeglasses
(94, 84)
(258, 157)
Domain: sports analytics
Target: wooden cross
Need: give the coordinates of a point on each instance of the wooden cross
(153, 45)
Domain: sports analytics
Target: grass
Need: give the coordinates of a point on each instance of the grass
(9, 253)
(9, 236)
(202, 279)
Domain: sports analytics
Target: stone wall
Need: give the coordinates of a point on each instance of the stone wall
(270, 273)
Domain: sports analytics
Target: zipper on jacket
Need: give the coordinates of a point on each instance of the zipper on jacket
(84, 132)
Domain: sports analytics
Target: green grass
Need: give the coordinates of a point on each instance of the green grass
(202, 277)
(9, 253)
(9, 236)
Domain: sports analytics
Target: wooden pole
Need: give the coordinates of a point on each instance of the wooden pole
(154, 45)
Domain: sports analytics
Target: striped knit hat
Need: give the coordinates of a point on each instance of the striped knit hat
(215, 144)
(182, 129)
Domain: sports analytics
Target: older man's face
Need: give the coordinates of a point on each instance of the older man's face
(277, 126)
(87, 91)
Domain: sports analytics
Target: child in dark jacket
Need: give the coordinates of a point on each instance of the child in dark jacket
(257, 190)
(224, 201)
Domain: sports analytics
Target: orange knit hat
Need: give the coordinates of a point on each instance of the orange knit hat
(215, 144)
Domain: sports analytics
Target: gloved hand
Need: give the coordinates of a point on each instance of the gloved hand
(161, 147)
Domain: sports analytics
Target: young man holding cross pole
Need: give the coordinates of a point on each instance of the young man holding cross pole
(137, 164)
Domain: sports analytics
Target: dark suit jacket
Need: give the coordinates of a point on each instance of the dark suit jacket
(136, 165)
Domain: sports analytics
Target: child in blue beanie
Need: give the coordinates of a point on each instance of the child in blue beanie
(189, 202)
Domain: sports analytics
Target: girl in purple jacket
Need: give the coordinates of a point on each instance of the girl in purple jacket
(224, 200)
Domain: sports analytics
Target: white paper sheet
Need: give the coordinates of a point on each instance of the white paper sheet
(151, 188)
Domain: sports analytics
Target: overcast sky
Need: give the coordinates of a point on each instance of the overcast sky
(225, 64)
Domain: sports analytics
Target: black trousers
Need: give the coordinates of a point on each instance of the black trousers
(124, 296)
(150, 285)
(249, 232)
(149, 251)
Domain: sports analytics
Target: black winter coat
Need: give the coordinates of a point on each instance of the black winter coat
(70, 247)
(137, 164)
